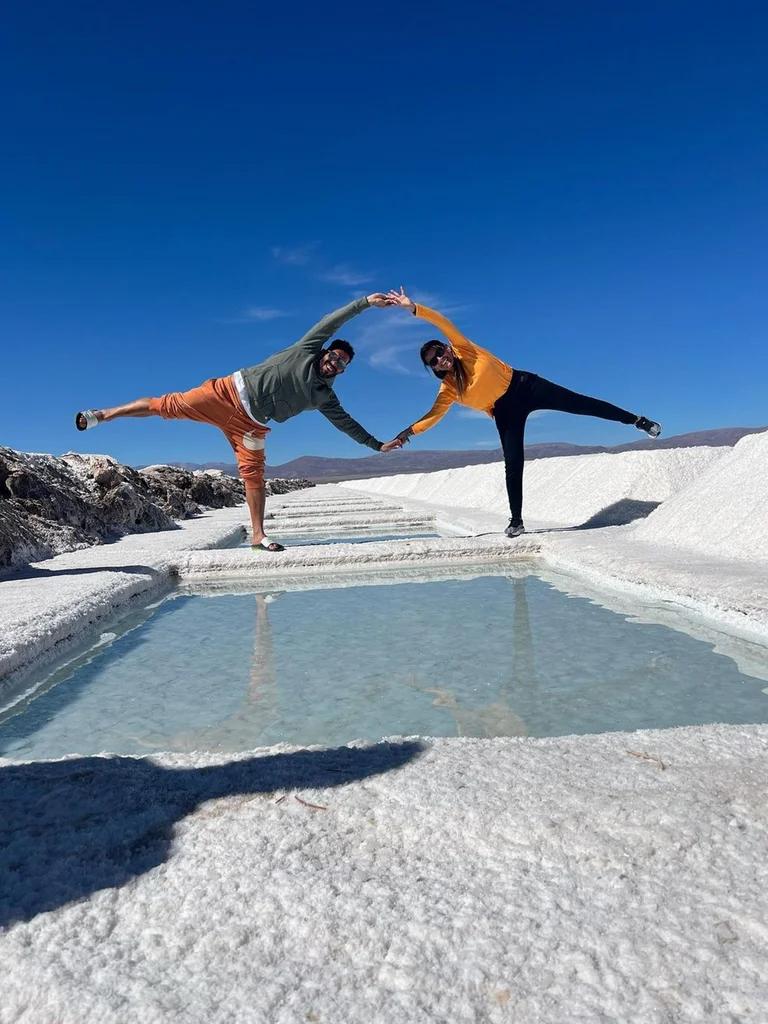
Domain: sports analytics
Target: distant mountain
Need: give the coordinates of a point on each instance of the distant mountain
(326, 470)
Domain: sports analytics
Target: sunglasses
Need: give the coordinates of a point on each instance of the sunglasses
(439, 353)
(338, 360)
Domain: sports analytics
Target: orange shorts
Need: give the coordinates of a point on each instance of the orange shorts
(218, 403)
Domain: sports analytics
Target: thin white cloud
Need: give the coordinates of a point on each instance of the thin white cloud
(254, 315)
(431, 299)
(387, 357)
(389, 341)
(345, 275)
(262, 313)
(435, 301)
(294, 256)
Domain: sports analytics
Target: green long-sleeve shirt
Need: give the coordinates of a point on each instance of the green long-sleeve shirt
(289, 382)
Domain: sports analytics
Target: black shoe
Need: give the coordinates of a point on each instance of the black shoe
(651, 427)
(514, 529)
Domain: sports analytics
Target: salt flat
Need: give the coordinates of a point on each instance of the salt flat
(602, 878)
(606, 878)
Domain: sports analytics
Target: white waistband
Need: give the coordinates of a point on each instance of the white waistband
(237, 380)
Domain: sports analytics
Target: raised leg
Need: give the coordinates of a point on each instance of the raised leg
(546, 395)
(139, 407)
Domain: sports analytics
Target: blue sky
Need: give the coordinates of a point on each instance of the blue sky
(581, 187)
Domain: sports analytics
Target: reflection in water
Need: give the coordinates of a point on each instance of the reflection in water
(496, 718)
(258, 710)
(260, 706)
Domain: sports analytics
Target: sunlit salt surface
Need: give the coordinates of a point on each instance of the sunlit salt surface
(490, 655)
(348, 538)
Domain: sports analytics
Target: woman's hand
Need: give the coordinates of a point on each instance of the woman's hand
(392, 445)
(400, 299)
(378, 299)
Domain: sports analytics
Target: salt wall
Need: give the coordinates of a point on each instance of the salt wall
(562, 491)
(724, 511)
(712, 500)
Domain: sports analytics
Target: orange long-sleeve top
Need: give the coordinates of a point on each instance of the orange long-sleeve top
(487, 377)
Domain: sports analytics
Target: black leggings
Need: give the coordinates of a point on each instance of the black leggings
(527, 393)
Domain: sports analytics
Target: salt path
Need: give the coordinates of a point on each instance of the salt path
(609, 878)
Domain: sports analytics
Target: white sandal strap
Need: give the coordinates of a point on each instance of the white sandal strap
(90, 417)
(265, 542)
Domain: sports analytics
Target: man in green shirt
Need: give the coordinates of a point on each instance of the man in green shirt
(241, 405)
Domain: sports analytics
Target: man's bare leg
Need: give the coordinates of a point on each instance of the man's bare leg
(256, 496)
(139, 407)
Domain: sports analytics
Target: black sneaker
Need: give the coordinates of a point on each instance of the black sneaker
(514, 529)
(651, 428)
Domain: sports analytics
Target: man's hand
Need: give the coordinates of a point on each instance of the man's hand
(378, 299)
(392, 445)
(400, 299)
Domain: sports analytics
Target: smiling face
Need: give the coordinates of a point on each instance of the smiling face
(332, 362)
(439, 358)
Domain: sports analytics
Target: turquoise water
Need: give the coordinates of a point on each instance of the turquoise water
(487, 656)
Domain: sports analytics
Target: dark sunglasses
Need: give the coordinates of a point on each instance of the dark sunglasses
(439, 352)
(338, 360)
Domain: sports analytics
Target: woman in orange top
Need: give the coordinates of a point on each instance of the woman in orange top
(472, 376)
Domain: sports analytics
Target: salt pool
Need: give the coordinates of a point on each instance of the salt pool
(496, 654)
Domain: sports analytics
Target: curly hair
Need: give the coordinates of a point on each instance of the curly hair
(343, 346)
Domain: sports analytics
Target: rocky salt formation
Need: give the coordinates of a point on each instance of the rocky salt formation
(282, 485)
(49, 505)
(183, 493)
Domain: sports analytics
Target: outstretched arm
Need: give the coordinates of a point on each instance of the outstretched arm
(324, 329)
(462, 345)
